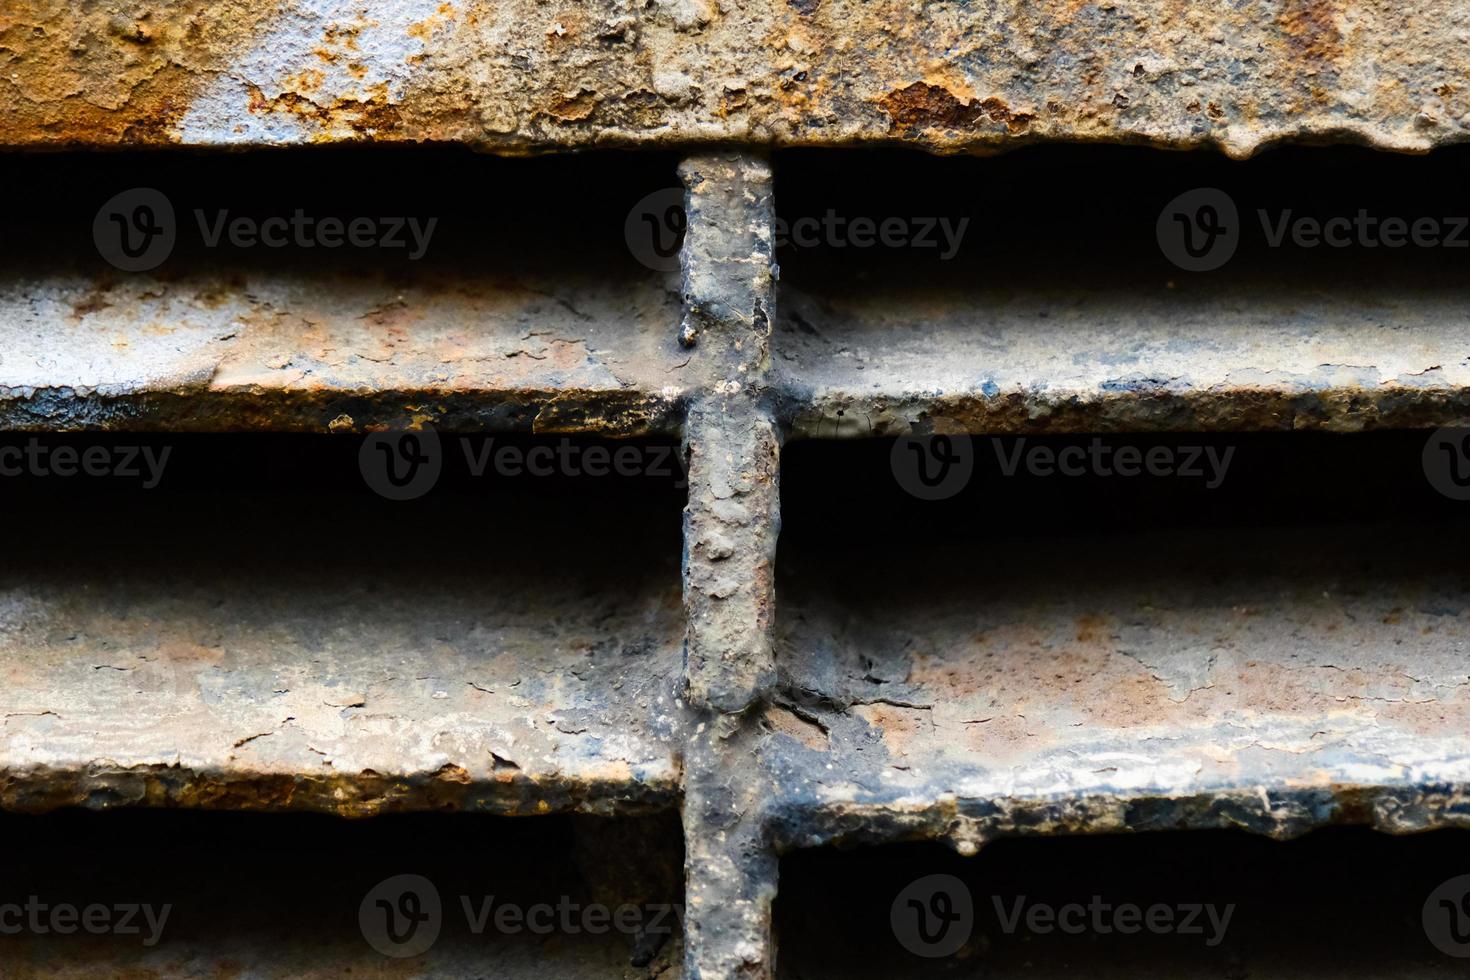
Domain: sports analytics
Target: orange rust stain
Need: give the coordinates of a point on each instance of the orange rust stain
(343, 36)
(425, 28)
(925, 106)
(787, 722)
(901, 727)
(93, 301)
(575, 108)
(1311, 29)
(569, 26)
(1090, 628)
(308, 81)
(216, 293)
(450, 773)
(88, 74)
(373, 115)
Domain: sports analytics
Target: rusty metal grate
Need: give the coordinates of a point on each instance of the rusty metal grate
(999, 657)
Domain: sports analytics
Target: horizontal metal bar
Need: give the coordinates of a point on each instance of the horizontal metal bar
(296, 351)
(194, 649)
(1016, 361)
(1276, 681)
(525, 75)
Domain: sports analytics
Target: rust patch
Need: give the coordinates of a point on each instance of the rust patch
(733, 100)
(1311, 29)
(925, 106)
(1091, 628)
(575, 108)
(783, 721)
(94, 301)
(904, 729)
(363, 116)
(113, 74)
(443, 15)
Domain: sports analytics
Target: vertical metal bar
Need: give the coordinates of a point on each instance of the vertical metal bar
(730, 527)
(732, 517)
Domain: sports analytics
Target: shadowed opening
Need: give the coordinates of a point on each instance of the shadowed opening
(202, 893)
(1341, 903)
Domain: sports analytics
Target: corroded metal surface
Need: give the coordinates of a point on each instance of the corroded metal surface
(275, 352)
(524, 75)
(861, 362)
(730, 528)
(319, 351)
(353, 678)
(1268, 681)
(971, 698)
(732, 518)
